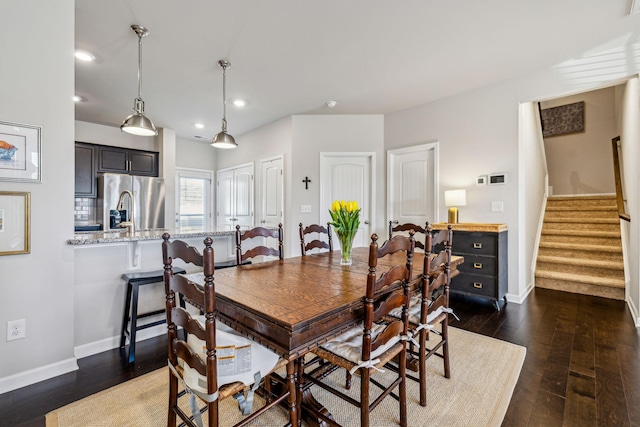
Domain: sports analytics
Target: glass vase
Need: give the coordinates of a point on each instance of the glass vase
(346, 242)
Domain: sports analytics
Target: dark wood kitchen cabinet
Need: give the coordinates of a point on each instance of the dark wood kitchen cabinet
(86, 182)
(127, 161)
(484, 272)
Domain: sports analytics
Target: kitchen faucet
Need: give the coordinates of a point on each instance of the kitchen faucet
(128, 224)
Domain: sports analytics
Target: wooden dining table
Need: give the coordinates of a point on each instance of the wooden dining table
(293, 305)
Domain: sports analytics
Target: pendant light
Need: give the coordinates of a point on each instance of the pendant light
(138, 123)
(223, 139)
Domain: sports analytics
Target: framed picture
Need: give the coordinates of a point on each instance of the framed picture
(20, 152)
(15, 228)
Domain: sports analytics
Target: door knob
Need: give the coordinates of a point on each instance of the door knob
(395, 222)
(366, 222)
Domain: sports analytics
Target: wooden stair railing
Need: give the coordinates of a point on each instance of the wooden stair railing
(615, 145)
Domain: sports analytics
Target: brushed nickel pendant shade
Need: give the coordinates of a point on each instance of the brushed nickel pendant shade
(223, 139)
(138, 123)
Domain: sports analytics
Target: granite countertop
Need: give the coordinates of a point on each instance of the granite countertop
(116, 236)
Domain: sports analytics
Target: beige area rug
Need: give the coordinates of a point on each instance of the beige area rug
(484, 372)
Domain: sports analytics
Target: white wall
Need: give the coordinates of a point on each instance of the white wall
(111, 135)
(195, 154)
(478, 135)
(532, 196)
(36, 88)
(581, 162)
(327, 133)
(630, 135)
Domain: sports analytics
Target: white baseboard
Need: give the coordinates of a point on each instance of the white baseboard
(633, 310)
(114, 342)
(519, 299)
(42, 373)
(32, 376)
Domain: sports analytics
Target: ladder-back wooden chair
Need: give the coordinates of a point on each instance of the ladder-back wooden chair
(397, 228)
(430, 308)
(370, 345)
(193, 360)
(318, 243)
(258, 250)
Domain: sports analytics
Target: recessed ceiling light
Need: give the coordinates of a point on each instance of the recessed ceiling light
(239, 103)
(77, 98)
(199, 125)
(83, 55)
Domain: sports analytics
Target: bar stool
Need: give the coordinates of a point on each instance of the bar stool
(134, 281)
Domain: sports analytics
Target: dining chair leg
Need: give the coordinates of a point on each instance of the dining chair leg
(445, 348)
(173, 399)
(291, 381)
(422, 368)
(403, 388)
(347, 380)
(364, 396)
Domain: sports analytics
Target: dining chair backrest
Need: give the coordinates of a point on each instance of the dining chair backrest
(420, 244)
(386, 292)
(258, 250)
(320, 231)
(203, 299)
(437, 270)
(193, 358)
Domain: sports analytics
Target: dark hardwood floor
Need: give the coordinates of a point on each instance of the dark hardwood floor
(582, 366)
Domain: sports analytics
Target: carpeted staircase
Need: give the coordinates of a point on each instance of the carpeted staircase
(580, 247)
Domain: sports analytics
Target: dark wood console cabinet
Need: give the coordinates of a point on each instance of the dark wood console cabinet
(484, 272)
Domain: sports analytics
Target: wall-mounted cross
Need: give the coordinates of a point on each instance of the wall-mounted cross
(306, 181)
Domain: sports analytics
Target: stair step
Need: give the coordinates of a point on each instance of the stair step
(582, 233)
(564, 220)
(582, 208)
(581, 288)
(581, 278)
(574, 246)
(583, 262)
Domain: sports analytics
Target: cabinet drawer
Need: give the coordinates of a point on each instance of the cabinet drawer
(475, 284)
(479, 264)
(475, 243)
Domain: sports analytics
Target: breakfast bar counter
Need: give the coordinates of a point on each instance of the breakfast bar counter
(117, 236)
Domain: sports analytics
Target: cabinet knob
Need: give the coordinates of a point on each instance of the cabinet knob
(477, 265)
(477, 245)
(477, 285)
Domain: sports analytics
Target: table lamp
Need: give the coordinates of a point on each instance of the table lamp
(454, 198)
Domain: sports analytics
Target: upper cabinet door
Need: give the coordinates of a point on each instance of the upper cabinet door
(143, 163)
(113, 159)
(122, 160)
(86, 182)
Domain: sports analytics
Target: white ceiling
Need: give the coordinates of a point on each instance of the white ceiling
(291, 56)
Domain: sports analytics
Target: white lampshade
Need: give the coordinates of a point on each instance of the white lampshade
(455, 198)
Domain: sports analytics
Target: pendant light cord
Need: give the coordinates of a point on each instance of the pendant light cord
(140, 67)
(224, 98)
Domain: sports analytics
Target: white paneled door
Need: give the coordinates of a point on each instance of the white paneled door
(349, 176)
(412, 183)
(235, 197)
(272, 206)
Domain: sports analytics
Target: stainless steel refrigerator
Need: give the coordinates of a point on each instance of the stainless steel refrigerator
(148, 199)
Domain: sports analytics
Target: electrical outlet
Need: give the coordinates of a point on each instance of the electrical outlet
(305, 208)
(16, 329)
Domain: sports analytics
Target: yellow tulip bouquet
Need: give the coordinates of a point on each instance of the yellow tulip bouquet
(345, 218)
